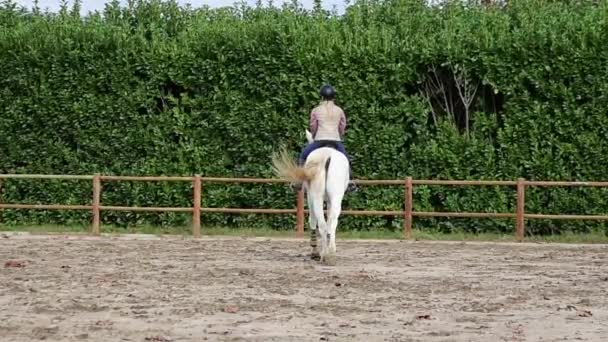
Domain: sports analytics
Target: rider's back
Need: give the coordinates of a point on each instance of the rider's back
(330, 121)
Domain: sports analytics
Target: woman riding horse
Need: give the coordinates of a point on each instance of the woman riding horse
(328, 125)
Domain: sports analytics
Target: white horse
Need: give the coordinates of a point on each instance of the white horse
(325, 175)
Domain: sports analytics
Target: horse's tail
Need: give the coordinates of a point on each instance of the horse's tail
(285, 167)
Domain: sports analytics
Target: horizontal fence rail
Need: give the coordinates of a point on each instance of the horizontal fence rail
(407, 213)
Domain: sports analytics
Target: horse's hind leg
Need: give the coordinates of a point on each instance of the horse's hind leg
(314, 235)
(332, 225)
(314, 230)
(337, 180)
(317, 218)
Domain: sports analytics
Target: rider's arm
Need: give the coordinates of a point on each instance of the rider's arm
(342, 124)
(314, 123)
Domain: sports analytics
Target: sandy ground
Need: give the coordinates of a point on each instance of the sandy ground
(73, 288)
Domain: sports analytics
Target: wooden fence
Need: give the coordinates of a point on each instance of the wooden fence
(407, 213)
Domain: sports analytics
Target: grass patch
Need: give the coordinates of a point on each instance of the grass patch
(377, 234)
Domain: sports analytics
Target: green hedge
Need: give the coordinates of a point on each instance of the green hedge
(159, 89)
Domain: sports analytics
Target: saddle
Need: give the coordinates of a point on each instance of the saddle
(328, 143)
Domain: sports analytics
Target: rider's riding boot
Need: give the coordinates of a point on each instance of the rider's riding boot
(295, 186)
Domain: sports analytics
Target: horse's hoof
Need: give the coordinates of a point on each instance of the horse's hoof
(315, 255)
(329, 260)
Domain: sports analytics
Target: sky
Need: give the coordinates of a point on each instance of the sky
(92, 5)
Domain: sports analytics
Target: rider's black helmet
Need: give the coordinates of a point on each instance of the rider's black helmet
(328, 92)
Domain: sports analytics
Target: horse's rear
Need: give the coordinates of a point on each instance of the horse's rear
(330, 183)
(325, 176)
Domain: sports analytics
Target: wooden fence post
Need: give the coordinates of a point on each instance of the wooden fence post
(196, 211)
(521, 209)
(409, 198)
(95, 230)
(300, 215)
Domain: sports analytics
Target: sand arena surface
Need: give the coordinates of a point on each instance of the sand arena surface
(79, 288)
